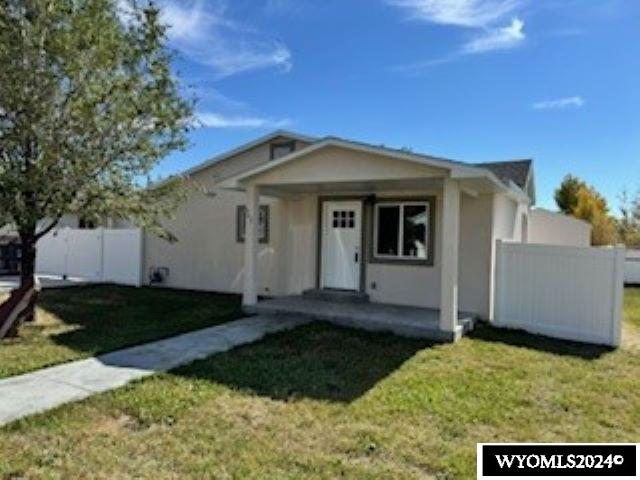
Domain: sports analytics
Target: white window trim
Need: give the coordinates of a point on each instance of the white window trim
(400, 256)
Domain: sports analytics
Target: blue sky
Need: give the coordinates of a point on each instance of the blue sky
(475, 80)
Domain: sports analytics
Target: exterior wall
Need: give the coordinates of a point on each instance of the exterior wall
(509, 220)
(288, 264)
(416, 285)
(476, 215)
(334, 164)
(207, 255)
(300, 243)
(553, 228)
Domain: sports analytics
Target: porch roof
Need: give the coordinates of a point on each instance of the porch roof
(473, 179)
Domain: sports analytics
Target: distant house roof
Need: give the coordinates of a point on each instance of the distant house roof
(515, 170)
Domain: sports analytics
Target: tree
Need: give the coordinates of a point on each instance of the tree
(592, 207)
(629, 222)
(576, 198)
(88, 106)
(566, 195)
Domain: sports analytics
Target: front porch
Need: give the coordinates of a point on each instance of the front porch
(383, 224)
(401, 320)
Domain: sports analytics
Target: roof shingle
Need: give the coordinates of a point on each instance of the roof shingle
(514, 170)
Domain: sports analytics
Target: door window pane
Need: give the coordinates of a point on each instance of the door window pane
(414, 222)
(388, 222)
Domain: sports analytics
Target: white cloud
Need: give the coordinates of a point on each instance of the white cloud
(486, 17)
(559, 103)
(202, 31)
(219, 120)
(501, 38)
(463, 13)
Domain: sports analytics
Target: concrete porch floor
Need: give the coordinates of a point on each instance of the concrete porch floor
(405, 321)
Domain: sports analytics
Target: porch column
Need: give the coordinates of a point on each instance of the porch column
(250, 293)
(450, 239)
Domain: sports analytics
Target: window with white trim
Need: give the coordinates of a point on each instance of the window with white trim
(401, 230)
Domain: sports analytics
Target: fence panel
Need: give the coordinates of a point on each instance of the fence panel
(122, 256)
(632, 267)
(100, 255)
(52, 253)
(84, 254)
(573, 293)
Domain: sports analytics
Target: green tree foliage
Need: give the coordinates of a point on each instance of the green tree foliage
(566, 195)
(88, 106)
(576, 198)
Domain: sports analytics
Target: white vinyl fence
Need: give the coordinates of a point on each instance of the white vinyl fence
(100, 255)
(573, 293)
(632, 267)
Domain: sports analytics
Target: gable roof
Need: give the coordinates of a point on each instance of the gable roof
(248, 146)
(515, 170)
(458, 169)
(511, 173)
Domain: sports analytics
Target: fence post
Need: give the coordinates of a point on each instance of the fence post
(141, 257)
(497, 288)
(618, 294)
(101, 249)
(65, 272)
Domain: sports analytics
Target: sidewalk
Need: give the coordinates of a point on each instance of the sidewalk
(49, 388)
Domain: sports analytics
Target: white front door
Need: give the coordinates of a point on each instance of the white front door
(341, 249)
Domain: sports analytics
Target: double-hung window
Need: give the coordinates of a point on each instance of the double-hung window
(401, 231)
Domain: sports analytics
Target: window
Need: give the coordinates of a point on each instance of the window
(281, 149)
(402, 231)
(344, 219)
(263, 224)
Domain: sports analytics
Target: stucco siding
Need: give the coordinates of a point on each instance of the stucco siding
(334, 164)
(300, 244)
(552, 228)
(508, 223)
(415, 285)
(475, 254)
(207, 255)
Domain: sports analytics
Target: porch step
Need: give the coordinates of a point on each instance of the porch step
(338, 296)
(404, 321)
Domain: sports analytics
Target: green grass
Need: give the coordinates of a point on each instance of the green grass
(80, 322)
(325, 402)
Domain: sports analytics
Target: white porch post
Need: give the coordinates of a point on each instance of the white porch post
(250, 293)
(449, 262)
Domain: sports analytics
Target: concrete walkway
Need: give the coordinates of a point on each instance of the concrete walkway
(43, 282)
(51, 387)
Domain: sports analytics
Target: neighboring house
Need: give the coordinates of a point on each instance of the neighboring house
(399, 227)
(555, 228)
(9, 254)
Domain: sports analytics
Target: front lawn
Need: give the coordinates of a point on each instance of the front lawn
(325, 402)
(80, 322)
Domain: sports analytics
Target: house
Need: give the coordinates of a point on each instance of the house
(293, 217)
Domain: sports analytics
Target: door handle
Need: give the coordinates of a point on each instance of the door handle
(356, 257)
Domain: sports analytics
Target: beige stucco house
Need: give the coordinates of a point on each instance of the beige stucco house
(288, 213)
